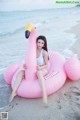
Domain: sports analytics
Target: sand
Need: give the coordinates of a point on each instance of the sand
(63, 105)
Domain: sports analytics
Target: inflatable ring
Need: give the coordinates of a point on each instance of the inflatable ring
(30, 87)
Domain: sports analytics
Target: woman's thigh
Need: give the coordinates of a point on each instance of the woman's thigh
(42, 72)
(45, 72)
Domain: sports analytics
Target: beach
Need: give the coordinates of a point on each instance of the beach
(63, 104)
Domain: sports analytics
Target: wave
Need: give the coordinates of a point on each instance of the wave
(9, 33)
(17, 30)
(14, 22)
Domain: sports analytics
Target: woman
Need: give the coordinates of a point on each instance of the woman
(42, 63)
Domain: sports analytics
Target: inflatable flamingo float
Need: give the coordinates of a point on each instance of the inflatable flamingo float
(59, 69)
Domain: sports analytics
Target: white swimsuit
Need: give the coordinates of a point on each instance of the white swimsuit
(40, 59)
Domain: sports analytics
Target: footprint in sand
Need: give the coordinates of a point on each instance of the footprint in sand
(75, 95)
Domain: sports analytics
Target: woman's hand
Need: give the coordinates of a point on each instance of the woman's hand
(23, 75)
(24, 66)
(38, 68)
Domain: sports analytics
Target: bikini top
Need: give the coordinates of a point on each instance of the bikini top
(40, 59)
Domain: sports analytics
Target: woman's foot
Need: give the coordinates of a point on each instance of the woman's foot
(12, 96)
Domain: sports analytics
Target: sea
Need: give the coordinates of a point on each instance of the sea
(52, 23)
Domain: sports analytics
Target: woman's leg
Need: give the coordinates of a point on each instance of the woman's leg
(41, 75)
(16, 84)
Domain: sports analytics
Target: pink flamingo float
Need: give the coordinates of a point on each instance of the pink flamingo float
(59, 69)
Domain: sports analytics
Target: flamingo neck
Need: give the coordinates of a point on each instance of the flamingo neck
(31, 55)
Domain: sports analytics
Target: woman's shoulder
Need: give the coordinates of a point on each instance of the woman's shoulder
(45, 52)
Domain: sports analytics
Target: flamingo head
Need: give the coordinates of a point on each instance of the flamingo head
(28, 29)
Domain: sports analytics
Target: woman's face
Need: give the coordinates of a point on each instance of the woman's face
(40, 43)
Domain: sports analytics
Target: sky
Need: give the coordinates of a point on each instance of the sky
(12, 5)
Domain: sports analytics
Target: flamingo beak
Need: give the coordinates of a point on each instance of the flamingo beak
(27, 34)
(28, 29)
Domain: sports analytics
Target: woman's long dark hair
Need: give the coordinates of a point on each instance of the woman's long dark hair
(45, 41)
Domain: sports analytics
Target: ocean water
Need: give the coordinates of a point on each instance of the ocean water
(53, 23)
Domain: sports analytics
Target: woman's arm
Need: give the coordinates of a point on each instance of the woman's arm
(24, 66)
